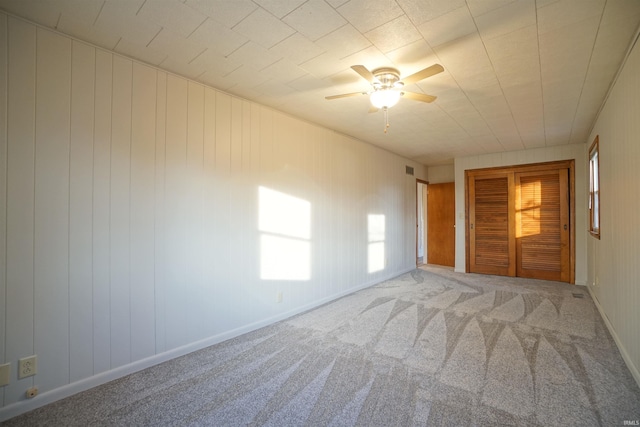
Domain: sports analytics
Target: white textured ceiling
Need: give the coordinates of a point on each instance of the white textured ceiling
(518, 74)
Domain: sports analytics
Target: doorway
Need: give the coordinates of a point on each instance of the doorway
(421, 217)
(435, 224)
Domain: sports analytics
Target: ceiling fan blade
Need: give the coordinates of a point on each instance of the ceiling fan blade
(423, 74)
(345, 95)
(364, 73)
(419, 96)
(373, 109)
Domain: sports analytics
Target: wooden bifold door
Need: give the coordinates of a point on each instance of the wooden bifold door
(520, 220)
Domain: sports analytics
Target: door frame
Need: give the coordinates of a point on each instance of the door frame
(530, 167)
(419, 181)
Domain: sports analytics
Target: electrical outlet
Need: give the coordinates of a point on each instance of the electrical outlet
(32, 392)
(27, 366)
(5, 374)
(279, 297)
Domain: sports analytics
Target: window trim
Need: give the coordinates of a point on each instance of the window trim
(594, 188)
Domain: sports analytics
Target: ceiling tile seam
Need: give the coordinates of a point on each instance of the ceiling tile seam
(199, 25)
(371, 29)
(488, 11)
(141, 6)
(462, 127)
(118, 42)
(238, 48)
(544, 120)
(154, 37)
(331, 32)
(58, 21)
(197, 56)
(306, 60)
(397, 47)
(586, 74)
(294, 9)
(233, 71)
(435, 52)
(254, 11)
(99, 13)
(499, 84)
(404, 12)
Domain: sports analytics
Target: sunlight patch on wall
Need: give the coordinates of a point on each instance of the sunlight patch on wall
(530, 194)
(285, 225)
(376, 249)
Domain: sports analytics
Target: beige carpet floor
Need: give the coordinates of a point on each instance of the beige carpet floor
(430, 347)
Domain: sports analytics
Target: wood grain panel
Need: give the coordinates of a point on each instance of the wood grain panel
(519, 221)
(490, 227)
(541, 216)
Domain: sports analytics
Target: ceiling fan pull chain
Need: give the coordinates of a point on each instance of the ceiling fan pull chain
(386, 119)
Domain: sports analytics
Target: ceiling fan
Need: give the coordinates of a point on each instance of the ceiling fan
(387, 87)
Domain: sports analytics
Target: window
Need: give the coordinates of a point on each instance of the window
(594, 188)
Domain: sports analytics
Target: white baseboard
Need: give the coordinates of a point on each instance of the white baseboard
(51, 396)
(623, 351)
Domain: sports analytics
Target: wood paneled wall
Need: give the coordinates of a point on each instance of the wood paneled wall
(129, 211)
(614, 270)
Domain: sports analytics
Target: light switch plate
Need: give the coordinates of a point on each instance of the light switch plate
(5, 374)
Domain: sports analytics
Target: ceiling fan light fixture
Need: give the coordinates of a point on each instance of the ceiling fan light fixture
(385, 98)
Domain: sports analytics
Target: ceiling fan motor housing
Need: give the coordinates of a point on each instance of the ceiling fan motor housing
(386, 78)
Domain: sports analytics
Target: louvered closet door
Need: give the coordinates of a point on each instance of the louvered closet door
(542, 225)
(491, 239)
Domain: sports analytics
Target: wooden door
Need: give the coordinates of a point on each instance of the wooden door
(542, 225)
(441, 220)
(491, 237)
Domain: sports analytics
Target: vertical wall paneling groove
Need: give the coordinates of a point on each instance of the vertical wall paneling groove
(143, 140)
(194, 189)
(20, 197)
(234, 205)
(101, 250)
(159, 213)
(176, 275)
(81, 211)
(221, 194)
(3, 191)
(51, 264)
(129, 212)
(120, 212)
(209, 235)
